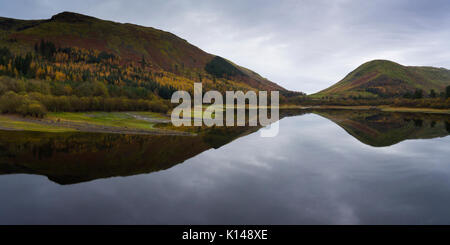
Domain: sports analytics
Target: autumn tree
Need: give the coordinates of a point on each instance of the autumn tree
(432, 94)
(418, 94)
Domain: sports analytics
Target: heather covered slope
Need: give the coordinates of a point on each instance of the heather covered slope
(157, 49)
(383, 78)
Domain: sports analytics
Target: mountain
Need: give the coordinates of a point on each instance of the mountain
(383, 78)
(157, 51)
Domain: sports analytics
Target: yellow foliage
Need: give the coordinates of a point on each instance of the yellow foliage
(59, 76)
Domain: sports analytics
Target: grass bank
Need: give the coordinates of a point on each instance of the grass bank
(103, 122)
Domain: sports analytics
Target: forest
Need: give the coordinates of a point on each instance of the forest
(74, 79)
(438, 102)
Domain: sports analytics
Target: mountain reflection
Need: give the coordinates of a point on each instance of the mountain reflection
(68, 158)
(380, 129)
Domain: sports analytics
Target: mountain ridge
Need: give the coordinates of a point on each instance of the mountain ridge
(384, 78)
(161, 50)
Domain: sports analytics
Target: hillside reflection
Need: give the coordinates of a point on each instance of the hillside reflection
(380, 129)
(68, 158)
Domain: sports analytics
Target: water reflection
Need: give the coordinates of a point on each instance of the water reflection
(69, 158)
(387, 128)
(313, 172)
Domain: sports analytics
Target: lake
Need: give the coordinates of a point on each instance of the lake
(324, 167)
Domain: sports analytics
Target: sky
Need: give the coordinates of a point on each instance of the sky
(303, 45)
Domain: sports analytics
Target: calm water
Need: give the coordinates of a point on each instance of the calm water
(332, 168)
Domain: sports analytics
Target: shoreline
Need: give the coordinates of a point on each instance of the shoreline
(142, 124)
(383, 108)
(12, 122)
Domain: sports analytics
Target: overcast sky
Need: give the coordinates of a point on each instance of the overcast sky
(302, 45)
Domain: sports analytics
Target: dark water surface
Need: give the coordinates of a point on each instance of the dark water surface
(334, 167)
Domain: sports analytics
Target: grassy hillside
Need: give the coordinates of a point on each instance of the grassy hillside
(156, 50)
(382, 78)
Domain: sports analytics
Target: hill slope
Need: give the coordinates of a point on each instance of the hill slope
(159, 50)
(383, 78)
